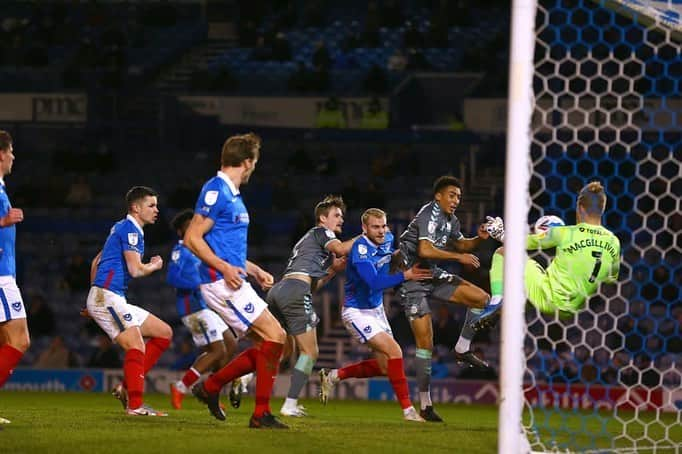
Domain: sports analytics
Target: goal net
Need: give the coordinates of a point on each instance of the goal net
(606, 106)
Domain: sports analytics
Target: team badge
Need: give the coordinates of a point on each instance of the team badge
(329, 233)
(367, 329)
(213, 332)
(432, 226)
(362, 249)
(249, 308)
(175, 256)
(211, 197)
(16, 306)
(132, 239)
(127, 317)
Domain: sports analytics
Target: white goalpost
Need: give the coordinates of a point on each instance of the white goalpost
(595, 93)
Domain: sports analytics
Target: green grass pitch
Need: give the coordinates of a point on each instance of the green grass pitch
(95, 423)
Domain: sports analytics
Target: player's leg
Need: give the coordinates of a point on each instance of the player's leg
(159, 334)
(245, 311)
(422, 329)
(130, 392)
(457, 290)
(307, 355)
(14, 336)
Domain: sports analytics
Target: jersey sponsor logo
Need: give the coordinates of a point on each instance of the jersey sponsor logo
(329, 233)
(211, 198)
(175, 256)
(213, 332)
(132, 239)
(362, 249)
(16, 306)
(249, 308)
(367, 329)
(127, 317)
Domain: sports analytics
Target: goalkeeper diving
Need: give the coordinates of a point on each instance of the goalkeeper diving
(587, 254)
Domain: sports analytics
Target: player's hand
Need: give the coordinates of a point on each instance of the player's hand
(84, 312)
(233, 276)
(156, 263)
(338, 265)
(470, 260)
(495, 227)
(13, 216)
(398, 261)
(418, 274)
(264, 279)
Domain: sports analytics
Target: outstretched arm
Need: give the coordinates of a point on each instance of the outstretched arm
(426, 250)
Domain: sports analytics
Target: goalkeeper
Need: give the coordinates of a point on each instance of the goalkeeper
(587, 254)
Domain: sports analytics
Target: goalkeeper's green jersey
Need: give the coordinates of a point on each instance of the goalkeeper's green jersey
(586, 255)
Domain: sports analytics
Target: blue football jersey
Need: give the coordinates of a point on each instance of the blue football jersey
(112, 271)
(367, 273)
(221, 201)
(183, 274)
(8, 237)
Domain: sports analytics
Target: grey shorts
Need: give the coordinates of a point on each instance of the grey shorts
(414, 295)
(291, 302)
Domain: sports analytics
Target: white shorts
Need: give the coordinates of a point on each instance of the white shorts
(112, 312)
(238, 308)
(11, 305)
(364, 324)
(206, 327)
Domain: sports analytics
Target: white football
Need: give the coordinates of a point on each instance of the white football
(547, 222)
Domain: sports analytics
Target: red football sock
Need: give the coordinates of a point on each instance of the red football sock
(153, 351)
(190, 377)
(133, 371)
(9, 358)
(267, 364)
(396, 375)
(363, 369)
(244, 363)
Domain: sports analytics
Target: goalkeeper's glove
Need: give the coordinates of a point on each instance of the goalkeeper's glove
(495, 227)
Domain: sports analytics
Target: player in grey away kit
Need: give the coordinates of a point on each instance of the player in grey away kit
(315, 259)
(433, 235)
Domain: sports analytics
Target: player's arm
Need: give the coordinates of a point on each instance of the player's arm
(338, 265)
(426, 250)
(13, 216)
(340, 248)
(378, 281)
(195, 242)
(612, 278)
(264, 279)
(93, 266)
(545, 240)
(138, 269)
(462, 244)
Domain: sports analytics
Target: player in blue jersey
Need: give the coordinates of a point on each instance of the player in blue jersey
(126, 324)
(314, 260)
(14, 337)
(367, 276)
(218, 236)
(217, 341)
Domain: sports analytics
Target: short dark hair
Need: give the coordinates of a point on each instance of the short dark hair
(329, 202)
(137, 193)
(5, 140)
(592, 198)
(239, 148)
(178, 222)
(445, 181)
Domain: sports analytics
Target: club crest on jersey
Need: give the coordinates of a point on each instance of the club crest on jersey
(249, 308)
(362, 249)
(367, 329)
(213, 332)
(132, 239)
(241, 218)
(16, 306)
(127, 317)
(432, 226)
(175, 256)
(329, 233)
